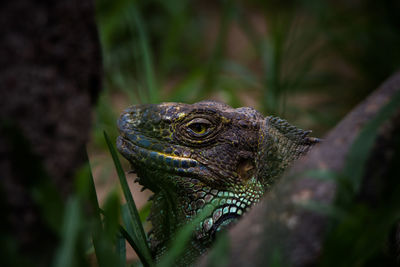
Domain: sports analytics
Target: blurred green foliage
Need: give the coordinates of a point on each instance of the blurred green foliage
(362, 219)
(308, 61)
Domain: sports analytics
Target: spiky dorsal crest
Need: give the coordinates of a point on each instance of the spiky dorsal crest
(280, 143)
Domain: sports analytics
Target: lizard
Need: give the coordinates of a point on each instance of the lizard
(204, 155)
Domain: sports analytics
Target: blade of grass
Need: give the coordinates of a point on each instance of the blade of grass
(247, 77)
(362, 146)
(103, 238)
(129, 238)
(129, 231)
(111, 215)
(139, 236)
(324, 209)
(276, 259)
(146, 56)
(361, 236)
(66, 256)
(220, 251)
(182, 238)
(214, 65)
(188, 89)
(145, 211)
(85, 187)
(322, 174)
(120, 248)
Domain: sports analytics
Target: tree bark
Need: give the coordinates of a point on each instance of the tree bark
(280, 227)
(50, 77)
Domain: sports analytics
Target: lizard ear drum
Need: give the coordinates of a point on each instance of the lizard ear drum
(246, 169)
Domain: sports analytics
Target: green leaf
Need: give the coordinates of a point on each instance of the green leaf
(277, 258)
(323, 174)
(71, 226)
(214, 65)
(188, 89)
(138, 234)
(321, 208)
(359, 238)
(181, 239)
(120, 248)
(362, 146)
(145, 211)
(218, 256)
(102, 238)
(129, 231)
(129, 238)
(146, 56)
(111, 215)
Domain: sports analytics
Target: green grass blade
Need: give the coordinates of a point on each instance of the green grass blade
(147, 58)
(181, 240)
(120, 248)
(321, 174)
(277, 258)
(145, 210)
(139, 235)
(360, 236)
(214, 65)
(244, 74)
(362, 146)
(129, 231)
(92, 192)
(189, 88)
(111, 215)
(131, 242)
(103, 238)
(219, 254)
(66, 255)
(323, 209)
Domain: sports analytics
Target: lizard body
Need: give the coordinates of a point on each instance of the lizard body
(204, 155)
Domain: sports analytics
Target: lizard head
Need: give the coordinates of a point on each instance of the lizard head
(206, 154)
(209, 141)
(203, 152)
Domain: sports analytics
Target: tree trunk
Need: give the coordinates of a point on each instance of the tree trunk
(50, 77)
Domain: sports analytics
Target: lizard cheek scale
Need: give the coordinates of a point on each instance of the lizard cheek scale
(204, 156)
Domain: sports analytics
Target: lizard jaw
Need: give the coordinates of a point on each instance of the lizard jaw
(137, 153)
(140, 157)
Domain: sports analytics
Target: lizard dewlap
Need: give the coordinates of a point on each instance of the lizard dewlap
(204, 156)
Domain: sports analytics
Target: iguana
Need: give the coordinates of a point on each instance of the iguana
(201, 155)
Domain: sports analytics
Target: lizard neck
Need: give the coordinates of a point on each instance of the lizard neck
(171, 210)
(167, 216)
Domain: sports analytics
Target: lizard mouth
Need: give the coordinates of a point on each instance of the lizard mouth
(143, 154)
(147, 155)
(139, 155)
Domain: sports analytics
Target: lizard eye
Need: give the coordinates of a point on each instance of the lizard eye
(199, 127)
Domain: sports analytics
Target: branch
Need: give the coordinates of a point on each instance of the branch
(280, 228)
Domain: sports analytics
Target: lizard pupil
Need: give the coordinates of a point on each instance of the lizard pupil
(198, 128)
